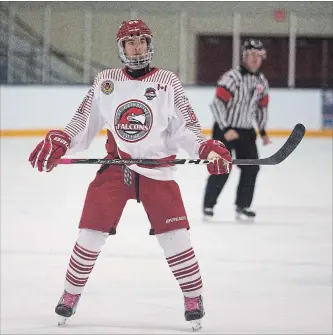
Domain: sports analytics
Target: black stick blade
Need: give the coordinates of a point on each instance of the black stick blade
(291, 144)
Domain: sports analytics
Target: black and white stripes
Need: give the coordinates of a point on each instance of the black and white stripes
(241, 97)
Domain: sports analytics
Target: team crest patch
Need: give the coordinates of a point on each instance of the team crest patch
(133, 120)
(150, 93)
(107, 87)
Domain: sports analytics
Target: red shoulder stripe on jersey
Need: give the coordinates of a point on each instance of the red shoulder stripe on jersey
(264, 101)
(223, 94)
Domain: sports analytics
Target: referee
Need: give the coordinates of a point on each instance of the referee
(241, 98)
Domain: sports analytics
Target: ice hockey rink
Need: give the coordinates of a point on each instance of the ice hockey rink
(273, 276)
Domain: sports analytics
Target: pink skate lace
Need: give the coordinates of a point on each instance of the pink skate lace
(70, 299)
(191, 303)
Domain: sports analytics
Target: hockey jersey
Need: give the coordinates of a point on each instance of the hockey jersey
(149, 117)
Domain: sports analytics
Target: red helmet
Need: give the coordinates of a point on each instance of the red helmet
(133, 28)
(130, 29)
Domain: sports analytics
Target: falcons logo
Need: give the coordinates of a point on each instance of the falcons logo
(133, 120)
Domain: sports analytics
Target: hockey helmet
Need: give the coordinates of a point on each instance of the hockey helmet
(254, 44)
(130, 29)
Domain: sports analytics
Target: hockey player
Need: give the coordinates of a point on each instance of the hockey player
(147, 115)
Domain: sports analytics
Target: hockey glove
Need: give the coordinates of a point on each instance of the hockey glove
(212, 149)
(46, 153)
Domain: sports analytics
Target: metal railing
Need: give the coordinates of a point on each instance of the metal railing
(28, 57)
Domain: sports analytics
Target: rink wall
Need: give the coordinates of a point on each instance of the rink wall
(33, 110)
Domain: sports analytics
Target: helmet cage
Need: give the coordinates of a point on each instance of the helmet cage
(141, 61)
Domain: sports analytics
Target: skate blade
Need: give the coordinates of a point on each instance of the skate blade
(207, 218)
(62, 320)
(196, 324)
(244, 218)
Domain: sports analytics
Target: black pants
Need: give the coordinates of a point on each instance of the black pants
(244, 147)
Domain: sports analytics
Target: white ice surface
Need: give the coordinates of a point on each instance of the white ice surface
(270, 277)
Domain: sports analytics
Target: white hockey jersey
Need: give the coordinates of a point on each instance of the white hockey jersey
(149, 117)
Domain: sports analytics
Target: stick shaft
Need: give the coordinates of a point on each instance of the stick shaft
(288, 147)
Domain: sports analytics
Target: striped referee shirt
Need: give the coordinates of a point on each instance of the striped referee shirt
(241, 98)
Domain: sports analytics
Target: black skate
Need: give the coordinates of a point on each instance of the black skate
(194, 311)
(67, 306)
(208, 214)
(244, 214)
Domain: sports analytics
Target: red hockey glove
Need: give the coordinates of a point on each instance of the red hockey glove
(46, 153)
(216, 150)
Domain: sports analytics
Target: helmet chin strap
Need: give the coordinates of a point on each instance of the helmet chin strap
(137, 66)
(138, 63)
(138, 58)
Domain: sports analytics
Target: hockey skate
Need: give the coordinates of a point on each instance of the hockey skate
(208, 214)
(244, 214)
(194, 311)
(67, 306)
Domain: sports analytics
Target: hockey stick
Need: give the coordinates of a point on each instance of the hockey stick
(288, 147)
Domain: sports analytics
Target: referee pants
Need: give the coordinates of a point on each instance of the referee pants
(244, 147)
